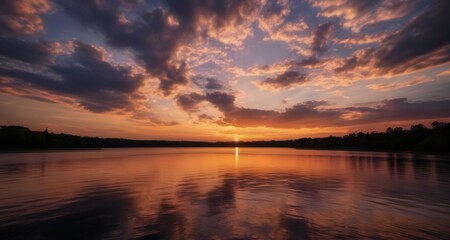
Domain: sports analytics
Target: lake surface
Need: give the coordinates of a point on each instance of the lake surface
(223, 193)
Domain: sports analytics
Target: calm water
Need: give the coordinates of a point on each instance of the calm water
(223, 193)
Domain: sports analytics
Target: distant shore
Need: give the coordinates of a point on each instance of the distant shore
(416, 139)
(47, 150)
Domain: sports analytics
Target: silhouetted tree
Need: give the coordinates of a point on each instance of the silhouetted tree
(437, 124)
(417, 127)
(417, 138)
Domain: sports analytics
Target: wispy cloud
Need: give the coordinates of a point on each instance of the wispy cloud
(357, 14)
(398, 85)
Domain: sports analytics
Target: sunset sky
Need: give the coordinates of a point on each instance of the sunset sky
(216, 70)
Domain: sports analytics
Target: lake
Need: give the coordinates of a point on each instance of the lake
(223, 193)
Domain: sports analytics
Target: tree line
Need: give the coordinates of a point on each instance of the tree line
(18, 137)
(416, 138)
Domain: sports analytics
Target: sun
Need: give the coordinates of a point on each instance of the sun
(236, 139)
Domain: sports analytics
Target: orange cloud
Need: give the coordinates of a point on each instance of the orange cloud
(398, 85)
(23, 17)
(358, 14)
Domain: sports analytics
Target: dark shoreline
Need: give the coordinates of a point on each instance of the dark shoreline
(417, 139)
(47, 150)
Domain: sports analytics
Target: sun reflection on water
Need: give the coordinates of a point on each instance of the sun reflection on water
(236, 157)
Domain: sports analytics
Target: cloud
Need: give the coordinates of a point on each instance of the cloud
(174, 75)
(86, 76)
(422, 43)
(321, 35)
(319, 114)
(22, 17)
(356, 14)
(213, 84)
(316, 43)
(32, 52)
(247, 117)
(274, 20)
(418, 44)
(189, 102)
(398, 85)
(444, 73)
(208, 83)
(400, 109)
(223, 101)
(201, 52)
(229, 22)
(349, 64)
(287, 79)
(362, 39)
(314, 114)
(205, 118)
(263, 70)
(153, 39)
(155, 36)
(315, 63)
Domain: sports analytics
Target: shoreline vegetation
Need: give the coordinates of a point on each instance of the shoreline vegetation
(418, 138)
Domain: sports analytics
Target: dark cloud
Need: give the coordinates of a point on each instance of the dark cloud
(357, 15)
(424, 42)
(220, 13)
(286, 79)
(205, 117)
(313, 114)
(31, 52)
(208, 84)
(189, 102)
(223, 101)
(173, 76)
(22, 17)
(349, 64)
(311, 61)
(318, 114)
(272, 8)
(400, 109)
(306, 114)
(248, 117)
(361, 7)
(152, 36)
(96, 84)
(234, 115)
(321, 36)
(213, 84)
